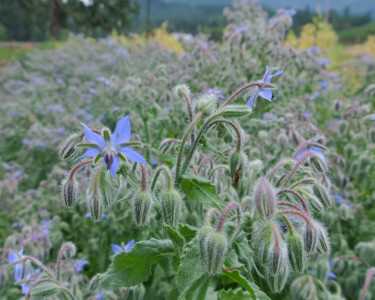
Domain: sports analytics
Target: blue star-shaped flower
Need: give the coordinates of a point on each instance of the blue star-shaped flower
(117, 249)
(111, 150)
(265, 93)
(14, 256)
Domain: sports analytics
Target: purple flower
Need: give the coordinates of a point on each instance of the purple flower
(265, 93)
(80, 264)
(117, 249)
(113, 149)
(99, 296)
(330, 275)
(311, 151)
(14, 256)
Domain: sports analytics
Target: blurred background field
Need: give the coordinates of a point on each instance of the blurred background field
(63, 62)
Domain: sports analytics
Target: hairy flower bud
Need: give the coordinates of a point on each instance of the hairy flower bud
(323, 194)
(213, 247)
(277, 261)
(310, 237)
(141, 205)
(265, 198)
(324, 245)
(296, 251)
(171, 207)
(237, 163)
(70, 191)
(94, 194)
(206, 103)
(68, 146)
(182, 90)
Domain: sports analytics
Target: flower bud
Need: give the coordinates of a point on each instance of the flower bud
(303, 287)
(236, 111)
(94, 195)
(206, 103)
(324, 245)
(141, 205)
(70, 191)
(237, 163)
(296, 251)
(323, 194)
(277, 261)
(182, 90)
(68, 146)
(171, 207)
(310, 237)
(213, 247)
(265, 198)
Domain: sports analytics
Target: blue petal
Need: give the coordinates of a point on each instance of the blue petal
(116, 249)
(251, 100)
(114, 166)
(267, 75)
(93, 137)
(91, 152)
(266, 94)
(18, 272)
(122, 133)
(133, 155)
(12, 256)
(25, 289)
(129, 246)
(277, 73)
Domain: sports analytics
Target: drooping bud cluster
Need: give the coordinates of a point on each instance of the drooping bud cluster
(213, 239)
(265, 198)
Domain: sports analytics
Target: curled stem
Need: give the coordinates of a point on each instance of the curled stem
(78, 167)
(198, 116)
(243, 88)
(167, 175)
(209, 124)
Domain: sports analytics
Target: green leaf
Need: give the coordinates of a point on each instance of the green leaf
(241, 281)
(199, 189)
(238, 294)
(176, 237)
(198, 289)
(190, 270)
(253, 290)
(187, 231)
(128, 269)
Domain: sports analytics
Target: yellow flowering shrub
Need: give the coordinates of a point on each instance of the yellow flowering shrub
(159, 36)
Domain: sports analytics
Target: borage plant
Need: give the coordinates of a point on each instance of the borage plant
(209, 227)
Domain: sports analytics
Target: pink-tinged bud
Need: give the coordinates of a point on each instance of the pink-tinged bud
(265, 198)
